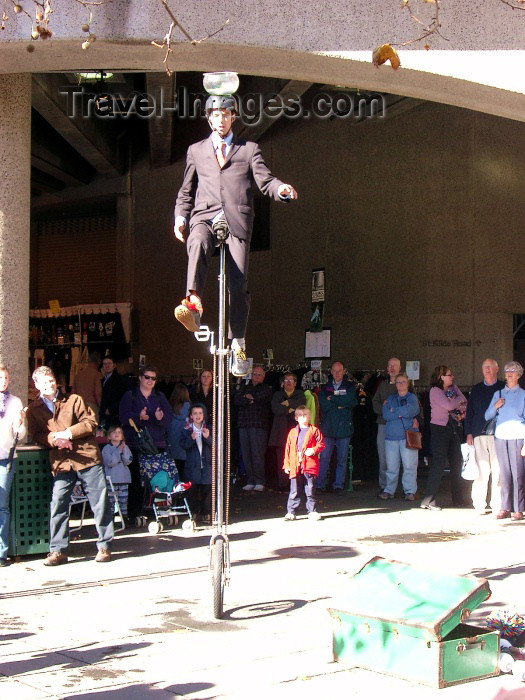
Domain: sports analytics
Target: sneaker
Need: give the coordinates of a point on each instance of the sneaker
(248, 487)
(314, 515)
(240, 366)
(258, 487)
(410, 497)
(384, 496)
(4, 562)
(55, 559)
(189, 314)
(103, 555)
(290, 516)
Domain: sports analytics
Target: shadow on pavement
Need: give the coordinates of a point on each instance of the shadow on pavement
(45, 660)
(265, 609)
(315, 552)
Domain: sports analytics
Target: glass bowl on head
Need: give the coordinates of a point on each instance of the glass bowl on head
(221, 83)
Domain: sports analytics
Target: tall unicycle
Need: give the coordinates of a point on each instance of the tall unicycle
(219, 543)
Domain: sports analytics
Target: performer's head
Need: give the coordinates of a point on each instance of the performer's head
(220, 112)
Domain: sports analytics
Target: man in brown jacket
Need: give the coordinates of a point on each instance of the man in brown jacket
(66, 427)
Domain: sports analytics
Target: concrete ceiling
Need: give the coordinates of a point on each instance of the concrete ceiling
(90, 133)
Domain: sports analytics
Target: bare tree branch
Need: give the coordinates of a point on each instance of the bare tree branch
(429, 29)
(166, 42)
(512, 5)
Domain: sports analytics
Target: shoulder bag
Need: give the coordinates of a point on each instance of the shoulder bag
(490, 426)
(413, 438)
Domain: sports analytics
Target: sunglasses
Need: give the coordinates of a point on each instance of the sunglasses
(148, 376)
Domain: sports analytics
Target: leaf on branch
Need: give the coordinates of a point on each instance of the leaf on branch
(385, 53)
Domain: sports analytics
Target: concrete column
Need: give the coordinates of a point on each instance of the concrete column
(15, 169)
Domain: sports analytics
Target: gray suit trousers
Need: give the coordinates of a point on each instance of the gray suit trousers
(200, 246)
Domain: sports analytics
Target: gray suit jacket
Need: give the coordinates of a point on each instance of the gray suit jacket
(206, 188)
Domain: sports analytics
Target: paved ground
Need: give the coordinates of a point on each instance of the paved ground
(142, 626)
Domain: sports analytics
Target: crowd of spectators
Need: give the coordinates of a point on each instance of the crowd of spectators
(363, 425)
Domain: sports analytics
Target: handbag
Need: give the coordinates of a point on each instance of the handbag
(490, 426)
(413, 438)
(469, 466)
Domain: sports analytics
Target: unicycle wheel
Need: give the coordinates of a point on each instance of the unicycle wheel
(218, 578)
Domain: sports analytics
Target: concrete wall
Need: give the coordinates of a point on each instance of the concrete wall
(417, 220)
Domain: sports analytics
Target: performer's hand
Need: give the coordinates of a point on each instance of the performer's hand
(287, 191)
(470, 440)
(63, 443)
(143, 415)
(180, 228)
(205, 432)
(159, 413)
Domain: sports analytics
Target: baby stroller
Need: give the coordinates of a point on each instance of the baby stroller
(163, 494)
(164, 497)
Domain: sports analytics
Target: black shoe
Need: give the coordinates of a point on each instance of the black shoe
(4, 562)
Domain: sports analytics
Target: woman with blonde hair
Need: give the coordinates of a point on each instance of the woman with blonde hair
(508, 407)
(399, 411)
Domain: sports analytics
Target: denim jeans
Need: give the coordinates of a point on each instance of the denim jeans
(93, 481)
(341, 446)
(6, 479)
(302, 482)
(381, 453)
(397, 453)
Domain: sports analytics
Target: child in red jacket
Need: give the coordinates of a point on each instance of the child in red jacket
(301, 463)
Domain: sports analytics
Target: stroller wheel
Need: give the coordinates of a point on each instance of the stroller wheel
(189, 524)
(155, 527)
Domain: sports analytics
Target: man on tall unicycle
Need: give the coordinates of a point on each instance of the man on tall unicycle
(218, 184)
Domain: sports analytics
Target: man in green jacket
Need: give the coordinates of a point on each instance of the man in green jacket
(337, 398)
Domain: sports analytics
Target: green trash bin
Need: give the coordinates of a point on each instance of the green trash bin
(29, 502)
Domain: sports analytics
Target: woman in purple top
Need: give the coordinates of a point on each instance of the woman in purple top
(447, 410)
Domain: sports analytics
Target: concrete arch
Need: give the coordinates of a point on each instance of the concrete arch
(474, 67)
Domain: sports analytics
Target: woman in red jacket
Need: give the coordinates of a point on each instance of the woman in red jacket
(301, 462)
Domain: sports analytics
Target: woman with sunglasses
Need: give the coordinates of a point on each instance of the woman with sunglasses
(508, 407)
(447, 410)
(147, 408)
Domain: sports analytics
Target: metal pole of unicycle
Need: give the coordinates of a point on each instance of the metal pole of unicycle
(219, 544)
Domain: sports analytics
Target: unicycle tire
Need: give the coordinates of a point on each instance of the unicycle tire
(218, 578)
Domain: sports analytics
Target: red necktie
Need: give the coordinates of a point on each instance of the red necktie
(221, 154)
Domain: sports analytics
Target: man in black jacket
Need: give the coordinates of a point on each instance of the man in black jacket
(114, 386)
(479, 399)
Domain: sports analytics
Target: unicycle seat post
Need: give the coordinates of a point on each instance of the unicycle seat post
(221, 231)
